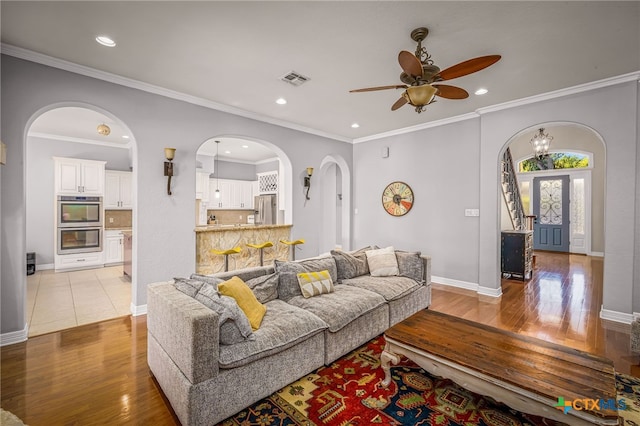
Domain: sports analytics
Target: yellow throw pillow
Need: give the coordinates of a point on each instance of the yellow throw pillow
(315, 283)
(245, 298)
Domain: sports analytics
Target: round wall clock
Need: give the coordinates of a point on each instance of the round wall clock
(397, 198)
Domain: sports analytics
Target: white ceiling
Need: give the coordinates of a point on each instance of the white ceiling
(233, 53)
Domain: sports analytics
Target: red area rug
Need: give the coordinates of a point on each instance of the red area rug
(349, 393)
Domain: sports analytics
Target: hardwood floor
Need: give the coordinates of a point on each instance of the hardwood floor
(97, 373)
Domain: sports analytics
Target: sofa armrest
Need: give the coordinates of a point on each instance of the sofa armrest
(426, 260)
(187, 330)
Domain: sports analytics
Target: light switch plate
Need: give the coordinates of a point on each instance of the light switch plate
(472, 212)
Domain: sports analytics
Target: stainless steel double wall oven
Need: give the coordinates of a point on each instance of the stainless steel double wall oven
(80, 224)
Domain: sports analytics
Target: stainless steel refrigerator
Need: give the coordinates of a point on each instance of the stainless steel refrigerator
(266, 209)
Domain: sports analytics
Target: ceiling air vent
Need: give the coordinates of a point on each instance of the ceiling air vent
(294, 78)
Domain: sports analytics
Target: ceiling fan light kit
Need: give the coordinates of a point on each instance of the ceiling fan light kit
(421, 77)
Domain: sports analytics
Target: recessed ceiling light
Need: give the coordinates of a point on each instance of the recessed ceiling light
(125, 137)
(245, 146)
(227, 152)
(355, 125)
(281, 101)
(481, 91)
(105, 41)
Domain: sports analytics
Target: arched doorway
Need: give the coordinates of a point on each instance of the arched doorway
(82, 295)
(336, 203)
(567, 137)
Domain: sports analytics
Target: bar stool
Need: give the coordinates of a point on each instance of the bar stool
(261, 247)
(226, 254)
(293, 245)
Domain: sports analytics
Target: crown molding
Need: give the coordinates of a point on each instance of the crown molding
(625, 78)
(598, 84)
(135, 84)
(411, 129)
(77, 140)
(43, 59)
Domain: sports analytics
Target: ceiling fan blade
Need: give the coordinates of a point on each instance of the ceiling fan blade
(410, 64)
(450, 92)
(468, 67)
(371, 89)
(399, 103)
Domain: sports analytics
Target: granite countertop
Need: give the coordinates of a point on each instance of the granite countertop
(219, 228)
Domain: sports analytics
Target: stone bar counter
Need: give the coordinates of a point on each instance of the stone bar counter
(224, 237)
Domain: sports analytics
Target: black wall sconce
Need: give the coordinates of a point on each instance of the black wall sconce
(307, 181)
(169, 153)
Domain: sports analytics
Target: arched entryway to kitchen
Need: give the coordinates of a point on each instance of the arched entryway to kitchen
(241, 181)
(80, 184)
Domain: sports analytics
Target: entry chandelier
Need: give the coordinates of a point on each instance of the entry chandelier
(540, 143)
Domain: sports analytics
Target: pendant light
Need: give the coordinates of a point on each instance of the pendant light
(217, 171)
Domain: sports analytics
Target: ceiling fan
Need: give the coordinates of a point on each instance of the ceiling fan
(422, 78)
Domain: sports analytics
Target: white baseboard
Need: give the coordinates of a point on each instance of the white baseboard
(491, 292)
(455, 283)
(616, 316)
(485, 291)
(14, 336)
(596, 254)
(44, 266)
(138, 309)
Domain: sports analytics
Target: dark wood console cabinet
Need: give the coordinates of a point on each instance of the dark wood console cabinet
(517, 254)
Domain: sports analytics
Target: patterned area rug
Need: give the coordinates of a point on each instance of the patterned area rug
(348, 393)
(9, 419)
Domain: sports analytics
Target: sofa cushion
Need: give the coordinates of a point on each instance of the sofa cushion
(382, 262)
(288, 272)
(350, 264)
(214, 281)
(265, 287)
(245, 274)
(245, 298)
(341, 307)
(188, 286)
(391, 288)
(315, 283)
(283, 326)
(234, 324)
(410, 265)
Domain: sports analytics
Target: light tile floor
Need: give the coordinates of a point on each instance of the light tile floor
(60, 300)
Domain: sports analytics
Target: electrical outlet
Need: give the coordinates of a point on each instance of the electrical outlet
(472, 212)
(240, 217)
(110, 220)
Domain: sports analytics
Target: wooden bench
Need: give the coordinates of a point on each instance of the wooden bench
(527, 374)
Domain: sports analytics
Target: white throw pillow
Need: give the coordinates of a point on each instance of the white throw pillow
(382, 262)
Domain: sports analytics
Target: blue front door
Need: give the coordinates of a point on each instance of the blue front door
(551, 207)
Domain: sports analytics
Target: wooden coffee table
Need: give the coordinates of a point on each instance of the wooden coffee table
(527, 374)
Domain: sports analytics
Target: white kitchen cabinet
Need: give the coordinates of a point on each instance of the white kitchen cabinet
(78, 177)
(78, 261)
(117, 190)
(234, 194)
(113, 247)
(202, 185)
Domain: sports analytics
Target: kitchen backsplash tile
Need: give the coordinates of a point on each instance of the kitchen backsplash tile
(117, 219)
(229, 217)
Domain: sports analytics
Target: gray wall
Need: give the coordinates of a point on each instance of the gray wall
(568, 137)
(441, 166)
(238, 171)
(40, 190)
(456, 166)
(155, 122)
(267, 167)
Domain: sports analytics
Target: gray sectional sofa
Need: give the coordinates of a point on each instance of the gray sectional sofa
(209, 372)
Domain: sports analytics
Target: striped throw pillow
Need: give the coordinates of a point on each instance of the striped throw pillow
(315, 283)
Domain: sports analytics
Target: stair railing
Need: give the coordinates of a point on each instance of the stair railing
(511, 193)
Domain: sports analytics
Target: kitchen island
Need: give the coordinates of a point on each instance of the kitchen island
(223, 237)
